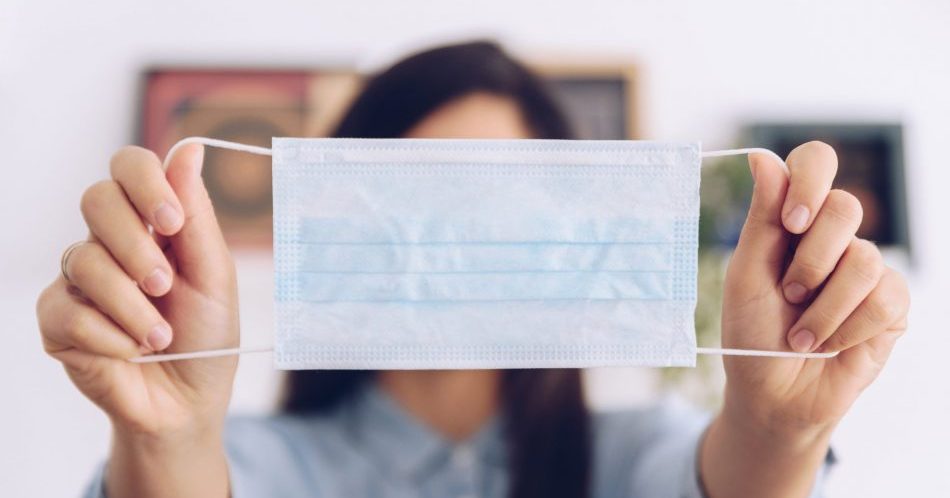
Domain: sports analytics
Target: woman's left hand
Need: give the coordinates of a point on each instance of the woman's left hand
(801, 280)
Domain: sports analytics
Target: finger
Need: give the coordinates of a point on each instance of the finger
(867, 359)
(858, 273)
(763, 242)
(885, 308)
(812, 168)
(94, 272)
(139, 172)
(822, 245)
(67, 322)
(200, 250)
(113, 220)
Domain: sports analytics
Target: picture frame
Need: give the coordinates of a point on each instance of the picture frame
(871, 166)
(247, 105)
(599, 98)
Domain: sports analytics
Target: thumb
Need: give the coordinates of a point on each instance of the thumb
(200, 251)
(760, 255)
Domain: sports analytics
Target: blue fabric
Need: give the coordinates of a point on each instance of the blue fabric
(445, 253)
(371, 447)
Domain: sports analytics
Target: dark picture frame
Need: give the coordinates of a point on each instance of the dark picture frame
(600, 98)
(871, 165)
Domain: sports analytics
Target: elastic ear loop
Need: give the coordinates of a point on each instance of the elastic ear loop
(263, 151)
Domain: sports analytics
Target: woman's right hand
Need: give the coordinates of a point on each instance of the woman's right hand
(131, 292)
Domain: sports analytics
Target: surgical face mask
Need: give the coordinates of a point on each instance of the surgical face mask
(429, 254)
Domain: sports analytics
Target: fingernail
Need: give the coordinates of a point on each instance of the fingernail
(157, 283)
(160, 337)
(752, 169)
(802, 341)
(795, 292)
(167, 217)
(796, 219)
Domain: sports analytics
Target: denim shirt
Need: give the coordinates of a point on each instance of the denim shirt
(369, 446)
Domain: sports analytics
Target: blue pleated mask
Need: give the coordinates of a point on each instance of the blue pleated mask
(484, 253)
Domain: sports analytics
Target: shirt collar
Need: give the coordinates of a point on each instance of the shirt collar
(398, 442)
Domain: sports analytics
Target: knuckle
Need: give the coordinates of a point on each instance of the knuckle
(882, 309)
(809, 269)
(756, 218)
(131, 156)
(52, 346)
(77, 327)
(844, 206)
(865, 259)
(901, 290)
(85, 262)
(98, 196)
(821, 318)
(841, 339)
(894, 291)
(49, 347)
(43, 303)
(43, 300)
(140, 255)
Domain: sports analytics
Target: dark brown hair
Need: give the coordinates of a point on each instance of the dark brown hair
(546, 422)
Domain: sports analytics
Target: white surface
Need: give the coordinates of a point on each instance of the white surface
(67, 100)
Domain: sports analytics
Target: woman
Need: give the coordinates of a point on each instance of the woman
(799, 280)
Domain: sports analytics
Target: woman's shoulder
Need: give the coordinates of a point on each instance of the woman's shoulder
(636, 448)
(646, 451)
(282, 455)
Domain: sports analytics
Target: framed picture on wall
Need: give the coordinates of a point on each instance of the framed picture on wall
(600, 99)
(253, 105)
(241, 105)
(870, 166)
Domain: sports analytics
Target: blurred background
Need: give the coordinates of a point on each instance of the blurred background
(78, 80)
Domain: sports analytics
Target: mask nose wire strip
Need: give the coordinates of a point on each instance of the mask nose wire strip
(263, 151)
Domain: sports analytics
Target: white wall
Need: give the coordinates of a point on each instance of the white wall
(67, 89)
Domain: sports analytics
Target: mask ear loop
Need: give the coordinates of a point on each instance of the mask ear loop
(756, 352)
(210, 353)
(214, 142)
(263, 151)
